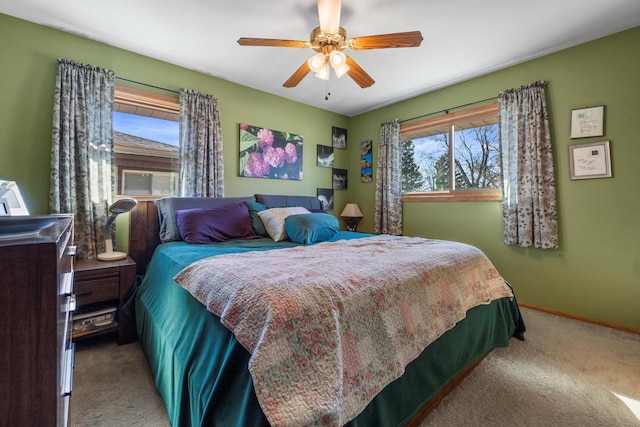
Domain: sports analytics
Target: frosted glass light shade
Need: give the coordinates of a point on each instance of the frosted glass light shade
(323, 74)
(316, 62)
(341, 70)
(337, 58)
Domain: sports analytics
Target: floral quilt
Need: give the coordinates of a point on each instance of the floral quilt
(328, 326)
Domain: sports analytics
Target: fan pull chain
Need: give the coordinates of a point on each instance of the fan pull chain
(328, 93)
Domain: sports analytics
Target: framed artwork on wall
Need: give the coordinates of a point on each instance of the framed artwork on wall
(339, 178)
(586, 122)
(590, 160)
(325, 195)
(266, 153)
(339, 137)
(366, 161)
(325, 156)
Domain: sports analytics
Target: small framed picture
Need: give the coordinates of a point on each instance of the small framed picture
(586, 122)
(339, 137)
(590, 160)
(325, 195)
(339, 177)
(325, 156)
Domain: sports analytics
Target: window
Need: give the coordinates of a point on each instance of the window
(146, 134)
(452, 157)
(150, 183)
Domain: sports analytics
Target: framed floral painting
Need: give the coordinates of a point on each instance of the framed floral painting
(266, 153)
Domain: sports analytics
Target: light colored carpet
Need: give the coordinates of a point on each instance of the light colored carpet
(566, 373)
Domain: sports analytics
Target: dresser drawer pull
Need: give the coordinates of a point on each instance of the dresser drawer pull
(67, 378)
(72, 303)
(67, 284)
(71, 250)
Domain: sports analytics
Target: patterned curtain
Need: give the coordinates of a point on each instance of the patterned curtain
(201, 167)
(82, 178)
(529, 195)
(388, 214)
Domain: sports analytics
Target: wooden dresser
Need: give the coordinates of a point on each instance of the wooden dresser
(36, 301)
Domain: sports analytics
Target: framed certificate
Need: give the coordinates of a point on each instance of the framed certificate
(586, 122)
(590, 160)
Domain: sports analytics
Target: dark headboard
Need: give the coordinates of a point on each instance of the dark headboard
(277, 201)
(144, 234)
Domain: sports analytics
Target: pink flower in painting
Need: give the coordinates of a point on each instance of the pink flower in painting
(274, 156)
(265, 138)
(256, 166)
(244, 126)
(290, 154)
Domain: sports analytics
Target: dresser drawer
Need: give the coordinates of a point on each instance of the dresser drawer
(90, 291)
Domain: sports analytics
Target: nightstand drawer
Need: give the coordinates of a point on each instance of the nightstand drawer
(91, 291)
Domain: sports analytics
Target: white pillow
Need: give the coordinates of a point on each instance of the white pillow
(273, 220)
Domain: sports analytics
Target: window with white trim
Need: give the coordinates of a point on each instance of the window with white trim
(454, 157)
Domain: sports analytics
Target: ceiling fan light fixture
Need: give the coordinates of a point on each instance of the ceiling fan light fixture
(337, 58)
(340, 70)
(323, 73)
(317, 62)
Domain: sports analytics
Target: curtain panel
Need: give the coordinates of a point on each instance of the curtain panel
(529, 195)
(82, 159)
(201, 163)
(388, 205)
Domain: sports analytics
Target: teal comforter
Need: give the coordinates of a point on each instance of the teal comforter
(200, 370)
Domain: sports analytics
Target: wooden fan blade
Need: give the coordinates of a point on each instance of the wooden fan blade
(384, 41)
(329, 15)
(246, 41)
(359, 75)
(297, 77)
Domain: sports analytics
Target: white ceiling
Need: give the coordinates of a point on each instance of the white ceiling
(462, 38)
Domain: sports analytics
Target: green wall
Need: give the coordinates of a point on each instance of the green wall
(28, 64)
(596, 271)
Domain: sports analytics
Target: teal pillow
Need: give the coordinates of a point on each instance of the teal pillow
(311, 228)
(256, 222)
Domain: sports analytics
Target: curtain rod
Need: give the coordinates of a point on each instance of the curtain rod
(446, 111)
(148, 85)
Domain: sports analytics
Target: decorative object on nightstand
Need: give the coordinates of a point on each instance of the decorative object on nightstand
(351, 215)
(118, 207)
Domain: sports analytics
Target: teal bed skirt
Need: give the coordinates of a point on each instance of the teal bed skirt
(201, 372)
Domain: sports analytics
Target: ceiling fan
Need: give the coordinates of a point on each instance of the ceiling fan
(329, 40)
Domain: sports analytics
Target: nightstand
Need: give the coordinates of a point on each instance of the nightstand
(100, 288)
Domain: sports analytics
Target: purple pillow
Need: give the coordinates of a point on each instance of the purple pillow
(217, 224)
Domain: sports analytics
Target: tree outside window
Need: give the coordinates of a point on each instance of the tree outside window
(455, 160)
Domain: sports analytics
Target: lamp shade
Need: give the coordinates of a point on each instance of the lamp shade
(351, 210)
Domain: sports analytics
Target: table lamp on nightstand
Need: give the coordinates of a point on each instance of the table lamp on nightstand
(118, 207)
(351, 215)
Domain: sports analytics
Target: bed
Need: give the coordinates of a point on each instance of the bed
(204, 362)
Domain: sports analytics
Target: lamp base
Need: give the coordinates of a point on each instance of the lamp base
(352, 223)
(111, 256)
